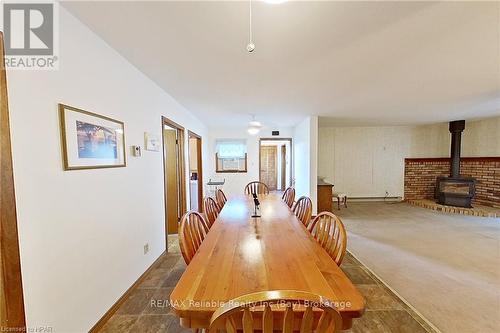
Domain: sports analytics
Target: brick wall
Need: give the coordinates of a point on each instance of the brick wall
(420, 177)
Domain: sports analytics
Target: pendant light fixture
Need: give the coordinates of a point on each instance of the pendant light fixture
(254, 126)
(251, 44)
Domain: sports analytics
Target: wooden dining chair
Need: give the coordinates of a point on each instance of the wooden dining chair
(211, 209)
(330, 233)
(257, 188)
(289, 196)
(303, 210)
(192, 231)
(220, 197)
(284, 311)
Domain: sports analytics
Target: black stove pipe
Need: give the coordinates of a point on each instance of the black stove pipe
(456, 128)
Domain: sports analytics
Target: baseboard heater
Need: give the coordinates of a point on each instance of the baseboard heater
(375, 199)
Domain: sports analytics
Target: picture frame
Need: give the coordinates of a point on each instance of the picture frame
(90, 140)
(152, 141)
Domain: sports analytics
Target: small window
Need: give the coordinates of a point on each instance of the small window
(231, 155)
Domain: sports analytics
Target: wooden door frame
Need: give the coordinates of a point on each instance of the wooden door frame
(199, 167)
(11, 301)
(180, 169)
(291, 154)
(283, 166)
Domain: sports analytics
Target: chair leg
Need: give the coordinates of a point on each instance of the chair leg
(345, 201)
(338, 203)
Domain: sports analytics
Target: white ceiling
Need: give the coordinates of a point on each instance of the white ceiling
(361, 63)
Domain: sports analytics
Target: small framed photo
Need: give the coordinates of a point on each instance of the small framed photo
(153, 142)
(89, 140)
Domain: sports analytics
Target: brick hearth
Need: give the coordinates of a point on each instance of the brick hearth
(421, 173)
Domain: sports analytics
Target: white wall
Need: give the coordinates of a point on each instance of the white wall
(306, 158)
(480, 138)
(82, 232)
(364, 161)
(430, 140)
(313, 159)
(235, 182)
(368, 161)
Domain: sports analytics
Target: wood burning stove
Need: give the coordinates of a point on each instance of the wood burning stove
(455, 190)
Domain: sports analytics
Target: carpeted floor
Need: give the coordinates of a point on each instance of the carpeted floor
(447, 266)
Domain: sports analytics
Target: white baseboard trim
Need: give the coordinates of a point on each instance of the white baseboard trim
(363, 199)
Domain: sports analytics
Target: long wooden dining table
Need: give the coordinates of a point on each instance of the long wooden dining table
(242, 255)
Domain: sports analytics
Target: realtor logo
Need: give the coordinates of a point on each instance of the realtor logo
(29, 28)
(30, 34)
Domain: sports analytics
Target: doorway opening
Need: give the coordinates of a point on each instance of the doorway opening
(195, 172)
(174, 176)
(275, 160)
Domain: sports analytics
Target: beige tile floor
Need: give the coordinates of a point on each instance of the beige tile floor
(447, 266)
(385, 312)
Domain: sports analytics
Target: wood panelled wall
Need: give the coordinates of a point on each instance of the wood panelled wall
(367, 161)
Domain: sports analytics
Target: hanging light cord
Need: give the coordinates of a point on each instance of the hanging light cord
(250, 21)
(250, 45)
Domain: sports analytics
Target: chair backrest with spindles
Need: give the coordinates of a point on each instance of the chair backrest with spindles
(192, 231)
(330, 233)
(211, 209)
(277, 311)
(303, 210)
(289, 196)
(257, 188)
(220, 197)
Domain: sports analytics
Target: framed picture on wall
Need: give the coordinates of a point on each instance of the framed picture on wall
(89, 140)
(153, 142)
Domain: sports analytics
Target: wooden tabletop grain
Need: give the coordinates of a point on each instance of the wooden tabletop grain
(242, 255)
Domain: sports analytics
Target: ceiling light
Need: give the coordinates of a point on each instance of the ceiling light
(254, 126)
(254, 123)
(253, 130)
(250, 47)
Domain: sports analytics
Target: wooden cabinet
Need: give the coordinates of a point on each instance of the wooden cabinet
(325, 196)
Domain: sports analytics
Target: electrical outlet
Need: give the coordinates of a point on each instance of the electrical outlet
(146, 248)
